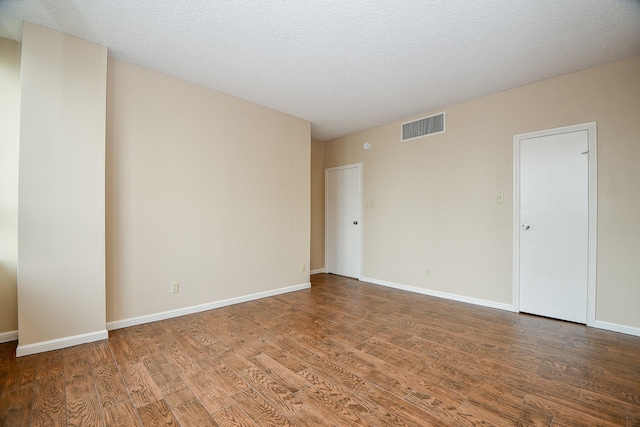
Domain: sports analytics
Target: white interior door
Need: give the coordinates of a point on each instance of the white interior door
(342, 219)
(554, 224)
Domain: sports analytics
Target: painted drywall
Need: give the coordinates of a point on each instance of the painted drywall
(203, 189)
(9, 145)
(61, 250)
(435, 198)
(317, 205)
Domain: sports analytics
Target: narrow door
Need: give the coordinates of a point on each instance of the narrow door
(554, 224)
(343, 202)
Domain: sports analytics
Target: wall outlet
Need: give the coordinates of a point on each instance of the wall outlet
(175, 287)
(303, 267)
(500, 199)
(427, 273)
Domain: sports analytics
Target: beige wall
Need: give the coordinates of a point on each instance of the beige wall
(61, 251)
(317, 205)
(178, 151)
(203, 189)
(435, 198)
(9, 143)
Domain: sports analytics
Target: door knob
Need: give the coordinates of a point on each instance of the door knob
(525, 226)
(355, 222)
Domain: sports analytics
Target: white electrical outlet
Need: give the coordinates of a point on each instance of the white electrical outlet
(500, 199)
(427, 273)
(303, 267)
(175, 287)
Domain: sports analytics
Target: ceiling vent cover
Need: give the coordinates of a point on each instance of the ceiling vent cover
(423, 127)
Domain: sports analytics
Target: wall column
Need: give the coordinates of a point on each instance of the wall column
(61, 238)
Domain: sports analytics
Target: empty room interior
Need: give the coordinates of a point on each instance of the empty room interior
(419, 213)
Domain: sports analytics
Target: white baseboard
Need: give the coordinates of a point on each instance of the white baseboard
(40, 347)
(117, 324)
(317, 271)
(629, 330)
(460, 298)
(8, 336)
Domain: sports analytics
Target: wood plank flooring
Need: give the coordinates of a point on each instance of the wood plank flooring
(343, 353)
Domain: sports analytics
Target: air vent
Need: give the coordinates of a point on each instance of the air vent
(423, 127)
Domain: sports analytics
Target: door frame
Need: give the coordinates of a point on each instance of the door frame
(326, 214)
(593, 211)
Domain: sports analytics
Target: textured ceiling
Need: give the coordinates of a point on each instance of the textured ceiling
(348, 65)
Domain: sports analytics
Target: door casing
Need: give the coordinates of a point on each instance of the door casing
(593, 210)
(359, 219)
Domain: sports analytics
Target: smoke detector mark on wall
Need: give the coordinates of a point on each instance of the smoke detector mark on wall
(423, 127)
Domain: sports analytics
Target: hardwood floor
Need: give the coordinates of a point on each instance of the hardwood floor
(342, 353)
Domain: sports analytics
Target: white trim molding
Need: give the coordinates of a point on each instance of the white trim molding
(591, 129)
(438, 294)
(359, 167)
(614, 327)
(57, 344)
(133, 321)
(317, 271)
(8, 336)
